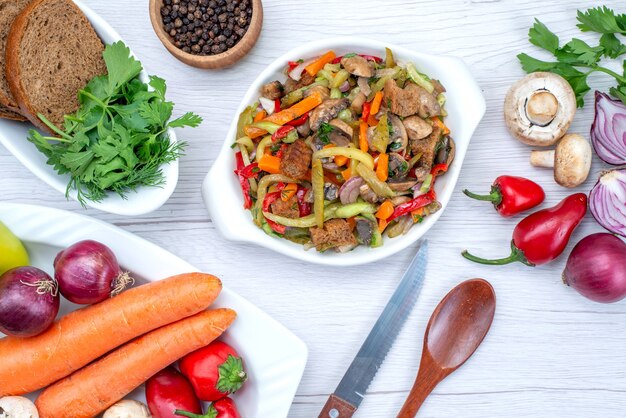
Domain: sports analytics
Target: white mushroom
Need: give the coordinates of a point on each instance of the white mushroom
(539, 108)
(17, 407)
(358, 66)
(571, 160)
(127, 409)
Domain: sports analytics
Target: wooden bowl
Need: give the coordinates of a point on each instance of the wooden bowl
(226, 58)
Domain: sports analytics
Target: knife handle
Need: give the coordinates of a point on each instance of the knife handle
(337, 408)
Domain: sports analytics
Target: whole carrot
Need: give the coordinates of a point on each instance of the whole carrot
(94, 388)
(28, 364)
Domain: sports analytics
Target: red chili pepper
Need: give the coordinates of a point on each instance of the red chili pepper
(410, 206)
(366, 111)
(243, 181)
(439, 169)
(299, 121)
(224, 408)
(511, 195)
(267, 203)
(167, 391)
(542, 236)
(251, 170)
(378, 60)
(303, 206)
(282, 133)
(277, 105)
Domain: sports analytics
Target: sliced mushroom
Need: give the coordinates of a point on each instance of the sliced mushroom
(273, 90)
(539, 108)
(399, 185)
(417, 128)
(368, 194)
(398, 139)
(331, 192)
(398, 166)
(398, 200)
(323, 91)
(571, 160)
(343, 127)
(338, 138)
(357, 103)
(447, 152)
(358, 66)
(364, 85)
(364, 230)
(328, 110)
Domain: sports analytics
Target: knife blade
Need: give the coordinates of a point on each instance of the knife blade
(350, 392)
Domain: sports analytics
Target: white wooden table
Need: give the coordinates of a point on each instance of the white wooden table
(550, 353)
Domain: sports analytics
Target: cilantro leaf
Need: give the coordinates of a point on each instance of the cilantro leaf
(188, 119)
(542, 37)
(601, 20)
(121, 66)
(613, 48)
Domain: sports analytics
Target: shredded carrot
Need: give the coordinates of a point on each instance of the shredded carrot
(270, 164)
(351, 222)
(363, 144)
(314, 67)
(444, 129)
(372, 121)
(382, 170)
(260, 116)
(346, 174)
(329, 146)
(385, 211)
(341, 160)
(382, 224)
(288, 192)
(280, 118)
(378, 98)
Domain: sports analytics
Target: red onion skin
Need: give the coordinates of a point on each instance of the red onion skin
(86, 272)
(596, 268)
(24, 312)
(608, 137)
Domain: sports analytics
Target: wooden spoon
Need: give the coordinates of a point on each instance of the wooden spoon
(455, 330)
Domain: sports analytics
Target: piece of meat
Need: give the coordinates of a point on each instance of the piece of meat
(297, 159)
(323, 91)
(291, 84)
(417, 128)
(328, 110)
(288, 209)
(358, 66)
(336, 233)
(410, 100)
(426, 147)
(273, 90)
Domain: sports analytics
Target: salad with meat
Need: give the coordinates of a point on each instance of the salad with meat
(344, 151)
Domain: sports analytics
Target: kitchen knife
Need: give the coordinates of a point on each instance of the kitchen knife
(344, 402)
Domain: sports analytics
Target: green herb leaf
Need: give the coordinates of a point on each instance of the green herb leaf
(542, 37)
(613, 48)
(188, 119)
(601, 20)
(121, 66)
(323, 132)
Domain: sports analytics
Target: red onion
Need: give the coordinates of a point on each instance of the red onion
(349, 191)
(608, 132)
(296, 73)
(344, 87)
(607, 201)
(29, 301)
(88, 273)
(596, 268)
(267, 105)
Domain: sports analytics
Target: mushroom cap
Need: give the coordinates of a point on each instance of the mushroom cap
(572, 160)
(539, 108)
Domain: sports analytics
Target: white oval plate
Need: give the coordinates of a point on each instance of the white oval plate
(465, 105)
(146, 199)
(273, 356)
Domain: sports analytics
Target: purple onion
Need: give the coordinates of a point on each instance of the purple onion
(296, 73)
(607, 201)
(596, 268)
(88, 273)
(29, 301)
(349, 191)
(344, 87)
(608, 131)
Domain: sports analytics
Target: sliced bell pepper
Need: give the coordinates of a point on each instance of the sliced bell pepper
(303, 206)
(243, 181)
(382, 170)
(385, 210)
(414, 204)
(299, 121)
(259, 116)
(250, 171)
(282, 133)
(276, 105)
(365, 114)
(267, 203)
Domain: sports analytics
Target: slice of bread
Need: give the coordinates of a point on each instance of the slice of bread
(6, 113)
(9, 9)
(52, 53)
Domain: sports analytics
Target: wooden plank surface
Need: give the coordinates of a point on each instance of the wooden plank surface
(550, 352)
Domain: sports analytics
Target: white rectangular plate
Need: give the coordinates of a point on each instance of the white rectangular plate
(273, 356)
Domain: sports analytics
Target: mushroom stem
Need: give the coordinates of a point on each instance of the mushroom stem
(542, 158)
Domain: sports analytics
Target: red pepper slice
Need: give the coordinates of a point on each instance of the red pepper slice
(292, 65)
(267, 203)
(414, 204)
(511, 195)
(276, 105)
(281, 151)
(299, 121)
(282, 133)
(251, 170)
(303, 206)
(378, 60)
(243, 181)
(367, 106)
(439, 169)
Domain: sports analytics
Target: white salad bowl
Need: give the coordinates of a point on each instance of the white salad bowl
(146, 199)
(274, 358)
(465, 105)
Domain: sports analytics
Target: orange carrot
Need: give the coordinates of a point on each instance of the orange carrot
(346, 174)
(382, 225)
(270, 163)
(437, 122)
(260, 116)
(382, 170)
(288, 192)
(385, 210)
(28, 364)
(378, 98)
(280, 118)
(372, 121)
(363, 144)
(94, 388)
(314, 67)
(341, 160)
(351, 222)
